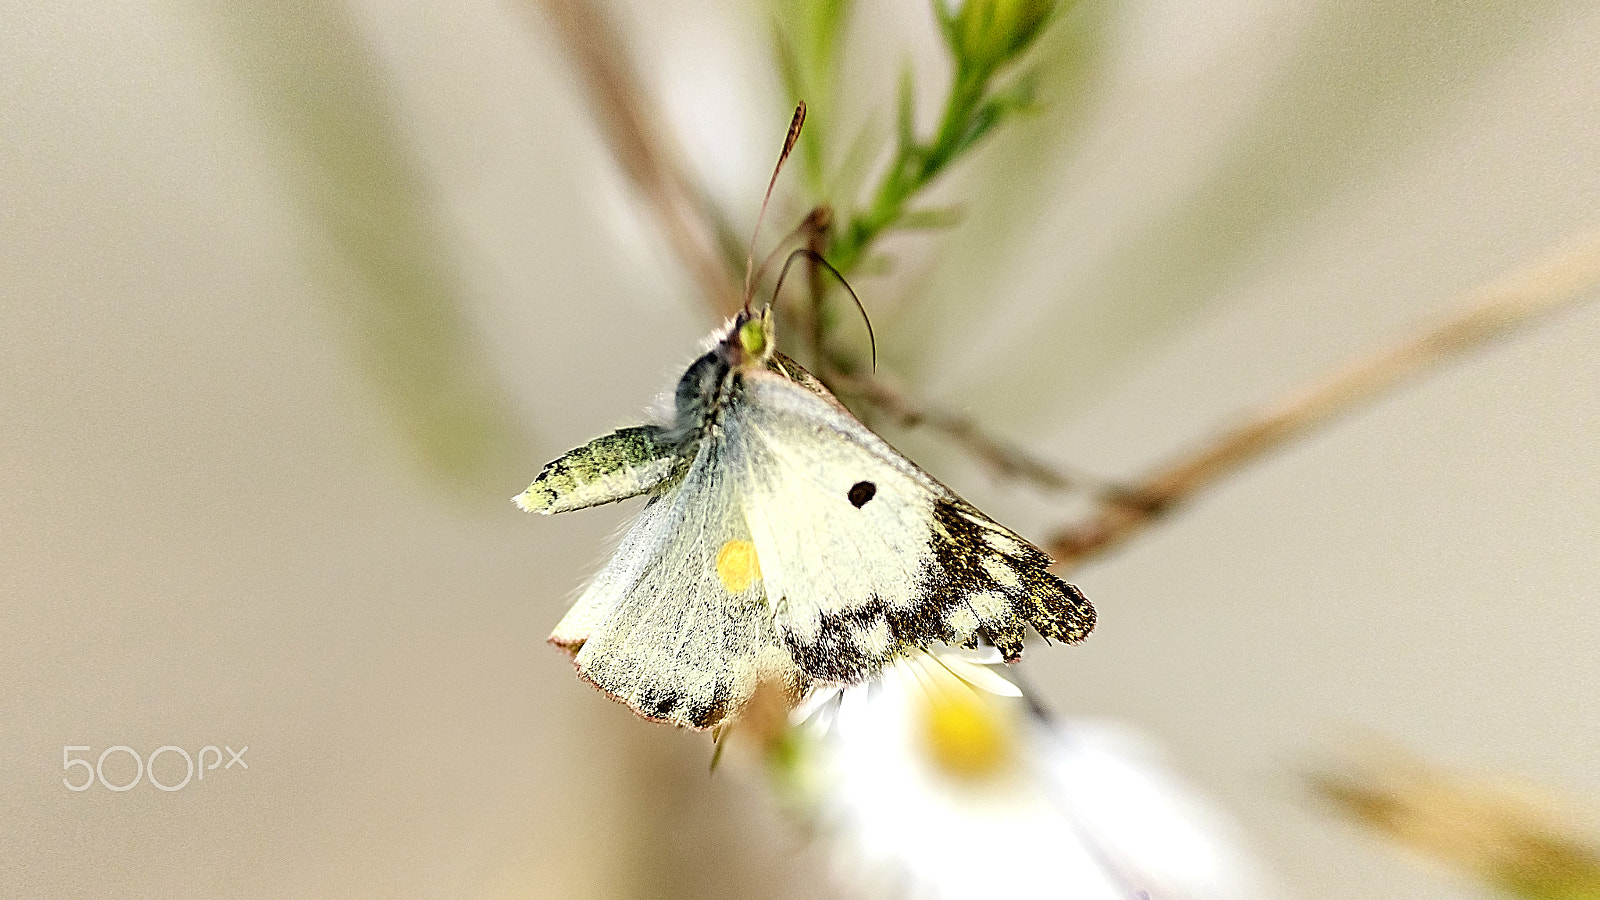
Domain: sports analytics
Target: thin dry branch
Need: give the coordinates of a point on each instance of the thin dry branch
(1487, 313)
(1002, 458)
(645, 150)
(1510, 833)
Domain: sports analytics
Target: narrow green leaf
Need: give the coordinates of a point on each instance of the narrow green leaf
(934, 217)
(905, 119)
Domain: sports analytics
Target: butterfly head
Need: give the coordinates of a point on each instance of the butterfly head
(750, 341)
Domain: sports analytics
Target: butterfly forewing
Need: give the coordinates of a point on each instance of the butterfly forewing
(834, 569)
(866, 556)
(991, 582)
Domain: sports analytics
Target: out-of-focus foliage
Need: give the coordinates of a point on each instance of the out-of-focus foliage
(1372, 77)
(808, 36)
(984, 40)
(1496, 832)
(308, 67)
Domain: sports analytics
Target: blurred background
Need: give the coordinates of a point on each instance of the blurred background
(298, 295)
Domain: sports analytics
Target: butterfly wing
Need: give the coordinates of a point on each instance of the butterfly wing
(677, 625)
(864, 555)
(611, 467)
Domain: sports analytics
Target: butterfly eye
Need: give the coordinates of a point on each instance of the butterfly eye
(861, 492)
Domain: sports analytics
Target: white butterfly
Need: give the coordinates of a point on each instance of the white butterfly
(782, 540)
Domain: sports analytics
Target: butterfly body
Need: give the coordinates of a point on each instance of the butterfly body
(782, 540)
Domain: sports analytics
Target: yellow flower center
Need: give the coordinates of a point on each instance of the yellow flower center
(968, 735)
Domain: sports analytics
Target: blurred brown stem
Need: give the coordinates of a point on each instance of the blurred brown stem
(1508, 834)
(1003, 459)
(647, 152)
(1487, 313)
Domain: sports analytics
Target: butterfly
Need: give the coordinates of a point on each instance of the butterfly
(782, 541)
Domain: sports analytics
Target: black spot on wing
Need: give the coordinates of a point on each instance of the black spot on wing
(861, 492)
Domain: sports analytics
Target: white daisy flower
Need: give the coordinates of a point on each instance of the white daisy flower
(940, 780)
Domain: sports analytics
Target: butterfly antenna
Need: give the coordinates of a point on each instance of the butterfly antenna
(816, 257)
(766, 263)
(788, 147)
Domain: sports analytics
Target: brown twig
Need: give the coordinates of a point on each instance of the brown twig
(1003, 459)
(646, 152)
(815, 229)
(1511, 834)
(1489, 312)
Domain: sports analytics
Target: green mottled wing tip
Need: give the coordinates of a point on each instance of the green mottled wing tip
(613, 467)
(537, 498)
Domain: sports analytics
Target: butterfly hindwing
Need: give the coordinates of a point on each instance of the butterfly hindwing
(677, 625)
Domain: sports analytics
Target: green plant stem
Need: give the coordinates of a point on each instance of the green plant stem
(915, 166)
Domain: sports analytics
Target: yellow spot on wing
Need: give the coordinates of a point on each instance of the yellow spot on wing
(737, 566)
